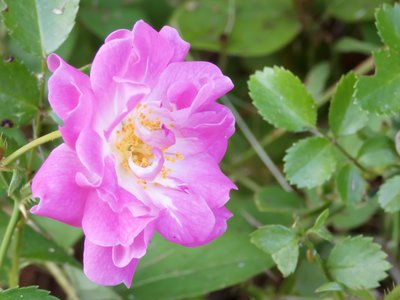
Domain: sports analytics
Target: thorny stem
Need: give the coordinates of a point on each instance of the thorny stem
(33, 144)
(257, 147)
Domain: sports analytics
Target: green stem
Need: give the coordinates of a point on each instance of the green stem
(33, 144)
(341, 149)
(321, 264)
(38, 120)
(62, 280)
(14, 274)
(9, 231)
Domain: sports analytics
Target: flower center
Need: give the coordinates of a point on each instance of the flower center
(132, 147)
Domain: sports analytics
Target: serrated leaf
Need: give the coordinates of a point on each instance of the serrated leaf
(378, 152)
(354, 10)
(29, 292)
(275, 199)
(388, 24)
(380, 93)
(389, 195)
(394, 294)
(19, 93)
(330, 287)
(319, 226)
(350, 184)
(358, 263)
(282, 99)
(281, 243)
(345, 117)
(310, 162)
(40, 26)
(260, 26)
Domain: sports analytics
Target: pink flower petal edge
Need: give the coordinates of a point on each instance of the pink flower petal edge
(143, 137)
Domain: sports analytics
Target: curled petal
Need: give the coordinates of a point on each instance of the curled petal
(60, 197)
(99, 267)
(150, 172)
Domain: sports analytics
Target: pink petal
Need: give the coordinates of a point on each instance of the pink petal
(186, 220)
(99, 267)
(106, 228)
(150, 172)
(70, 96)
(60, 197)
(203, 81)
(204, 178)
(181, 48)
(123, 255)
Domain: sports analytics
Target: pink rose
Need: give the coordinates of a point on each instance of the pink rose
(143, 137)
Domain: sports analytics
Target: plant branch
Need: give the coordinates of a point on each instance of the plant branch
(257, 147)
(33, 144)
(61, 279)
(9, 232)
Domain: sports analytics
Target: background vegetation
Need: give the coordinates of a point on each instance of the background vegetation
(317, 211)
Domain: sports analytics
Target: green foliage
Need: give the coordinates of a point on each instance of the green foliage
(251, 21)
(40, 26)
(355, 10)
(358, 263)
(282, 100)
(29, 292)
(389, 195)
(281, 243)
(19, 93)
(378, 152)
(319, 226)
(274, 199)
(345, 117)
(310, 162)
(350, 184)
(388, 24)
(380, 93)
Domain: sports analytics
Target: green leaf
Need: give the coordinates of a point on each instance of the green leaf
(380, 93)
(281, 243)
(389, 195)
(352, 45)
(310, 162)
(354, 216)
(35, 247)
(102, 21)
(378, 152)
(388, 24)
(282, 99)
(40, 26)
(394, 294)
(354, 10)
(319, 226)
(330, 287)
(275, 199)
(345, 117)
(259, 27)
(317, 78)
(358, 263)
(29, 292)
(19, 93)
(226, 261)
(350, 184)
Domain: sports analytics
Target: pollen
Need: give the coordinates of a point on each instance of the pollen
(131, 146)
